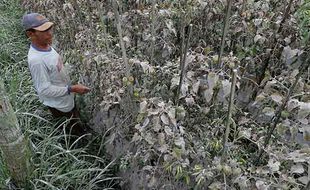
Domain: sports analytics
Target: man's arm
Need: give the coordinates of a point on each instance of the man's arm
(43, 84)
(78, 88)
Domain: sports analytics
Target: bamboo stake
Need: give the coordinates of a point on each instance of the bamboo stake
(182, 65)
(119, 30)
(183, 39)
(104, 27)
(229, 114)
(224, 32)
(183, 22)
(153, 32)
(277, 116)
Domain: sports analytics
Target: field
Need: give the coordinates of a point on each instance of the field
(189, 94)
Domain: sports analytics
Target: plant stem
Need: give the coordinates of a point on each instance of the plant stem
(224, 32)
(120, 35)
(182, 65)
(286, 15)
(229, 114)
(277, 116)
(266, 62)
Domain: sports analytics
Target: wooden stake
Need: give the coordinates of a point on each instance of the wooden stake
(182, 65)
(120, 35)
(229, 113)
(224, 32)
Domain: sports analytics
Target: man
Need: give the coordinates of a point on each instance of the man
(49, 76)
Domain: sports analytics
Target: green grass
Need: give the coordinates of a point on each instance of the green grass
(3, 174)
(56, 164)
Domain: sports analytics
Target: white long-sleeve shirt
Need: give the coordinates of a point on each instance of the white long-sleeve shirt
(50, 78)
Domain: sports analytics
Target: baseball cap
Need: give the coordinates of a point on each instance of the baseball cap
(36, 21)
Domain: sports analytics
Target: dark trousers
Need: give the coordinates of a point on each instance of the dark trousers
(75, 126)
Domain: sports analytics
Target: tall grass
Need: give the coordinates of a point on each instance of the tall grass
(3, 174)
(57, 164)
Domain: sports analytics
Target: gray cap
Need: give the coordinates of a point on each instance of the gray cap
(36, 21)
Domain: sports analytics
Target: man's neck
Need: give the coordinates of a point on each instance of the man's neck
(41, 47)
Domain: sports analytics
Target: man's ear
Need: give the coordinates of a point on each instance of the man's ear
(29, 33)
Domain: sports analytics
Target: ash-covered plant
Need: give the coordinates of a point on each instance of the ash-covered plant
(162, 144)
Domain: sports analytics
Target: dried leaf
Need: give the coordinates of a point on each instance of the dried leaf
(148, 168)
(136, 137)
(164, 119)
(304, 110)
(153, 112)
(175, 81)
(195, 87)
(189, 59)
(138, 126)
(145, 123)
(245, 133)
(207, 94)
(226, 87)
(276, 98)
(171, 114)
(143, 106)
(180, 142)
(292, 104)
(152, 182)
(164, 12)
(126, 39)
(177, 152)
(257, 22)
(146, 67)
(260, 39)
(181, 113)
(184, 89)
(181, 130)
(190, 101)
(304, 179)
(161, 139)
(161, 104)
(299, 156)
(212, 80)
(298, 169)
(170, 26)
(289, 55)
(260, 185)
(157, 125)
(274, 165)
(168, 131)
(163, 148)
(306, 133)
(148, 137)
(268, 111)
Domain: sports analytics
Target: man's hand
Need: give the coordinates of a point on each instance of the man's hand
(79, 88)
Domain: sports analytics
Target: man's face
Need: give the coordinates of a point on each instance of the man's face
(41, 37)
